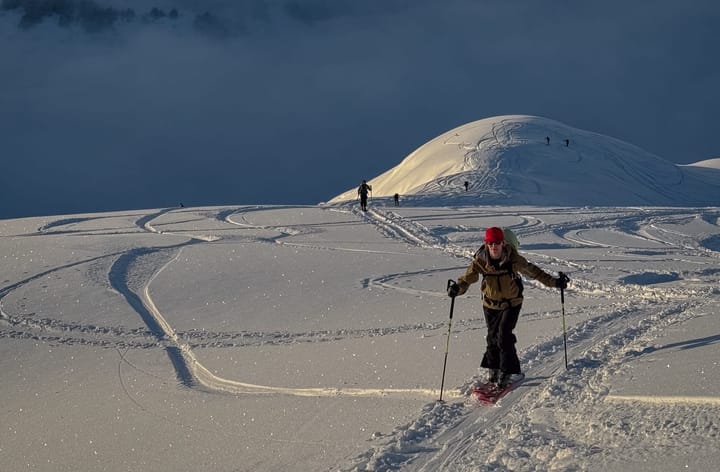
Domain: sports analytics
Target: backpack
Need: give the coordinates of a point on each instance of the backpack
(511, 238)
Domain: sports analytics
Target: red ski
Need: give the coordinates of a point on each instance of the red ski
(490, 393)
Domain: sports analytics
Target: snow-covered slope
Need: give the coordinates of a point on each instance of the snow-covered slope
(708, 163)
(265, 338)
(519, 159)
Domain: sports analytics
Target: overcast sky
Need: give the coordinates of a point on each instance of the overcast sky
(110, 105)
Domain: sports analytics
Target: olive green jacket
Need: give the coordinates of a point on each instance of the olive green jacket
(501, 284)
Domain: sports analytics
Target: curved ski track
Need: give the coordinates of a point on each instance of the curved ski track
(131, 274)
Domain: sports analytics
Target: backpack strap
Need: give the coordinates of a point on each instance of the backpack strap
(505, 268)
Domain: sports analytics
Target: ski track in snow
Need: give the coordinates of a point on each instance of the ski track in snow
(453, 433)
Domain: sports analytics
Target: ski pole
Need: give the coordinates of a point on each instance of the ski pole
(447, 343)
(563, 278)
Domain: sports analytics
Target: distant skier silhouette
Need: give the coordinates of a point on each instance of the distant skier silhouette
(397, 199)
(363, 190)
(467, 184)
(547, 139)
(567, 143)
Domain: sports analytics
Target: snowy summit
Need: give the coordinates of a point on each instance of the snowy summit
(529, 160)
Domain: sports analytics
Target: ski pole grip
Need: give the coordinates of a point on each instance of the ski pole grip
(451, 283)
(564, 278)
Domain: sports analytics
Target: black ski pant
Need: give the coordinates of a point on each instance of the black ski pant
(363, 202)
(500, 352)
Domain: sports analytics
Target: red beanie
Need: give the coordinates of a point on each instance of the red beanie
(494, 235)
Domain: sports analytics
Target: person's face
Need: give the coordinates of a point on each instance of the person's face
(495, 249)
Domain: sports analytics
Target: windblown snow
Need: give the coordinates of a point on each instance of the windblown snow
(263, 338)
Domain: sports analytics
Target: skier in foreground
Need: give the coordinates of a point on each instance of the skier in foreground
(499, 263)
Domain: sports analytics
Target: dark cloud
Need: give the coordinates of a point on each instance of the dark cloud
(215, 18)
(234, 102)
(91, 16)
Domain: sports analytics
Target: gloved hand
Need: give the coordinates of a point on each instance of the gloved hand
(562, 281)
(453, 289)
